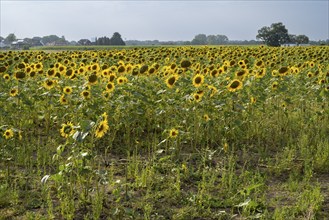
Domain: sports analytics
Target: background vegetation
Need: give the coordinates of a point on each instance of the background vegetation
(165, 133)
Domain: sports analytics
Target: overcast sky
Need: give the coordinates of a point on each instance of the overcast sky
(161, 20)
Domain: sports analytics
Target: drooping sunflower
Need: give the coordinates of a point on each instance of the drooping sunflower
(13, 92)
(9, 133)
(252, 100)
(67, 129)
(63, 100)
(171, 80)
(234, 85)
(67, 90)
(198, 79)
(101, 128)
(173, 133)
(213, 90)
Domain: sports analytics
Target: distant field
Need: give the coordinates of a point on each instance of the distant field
(92, 47)
(234, 132)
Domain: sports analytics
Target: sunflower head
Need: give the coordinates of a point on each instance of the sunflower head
(101, 128)
(63, 100)
(173, 133)
(110, 86)
(20, 75)
(67, 130)
(9, 133)
(234, 85)
(185, 63)
(85, 94)
(92, 79)
(13, 92)
(49, 84)
(6, 77)
(206, 117)
(171, 80)
(67, 90)
(122, 80)
(198, 79)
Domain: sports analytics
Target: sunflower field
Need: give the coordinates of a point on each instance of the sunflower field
(165, 133)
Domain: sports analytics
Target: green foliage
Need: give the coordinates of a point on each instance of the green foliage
(152, 148)
(275, 35)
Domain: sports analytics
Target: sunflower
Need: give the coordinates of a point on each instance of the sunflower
(253, 100)
(38, 66)
(173, 133)
(112, 77)
(311, 64)
(214, 73)
(260, 73)
(6, 77)
(283, 71)
(49, 84)
(85, 94)
(185, 63)
(69, 73)
(197, 97)
(121, 69)
(81, 70)
(241, 74)
(122, 80)
(206, 117)
(198, 79)
(171, 80)
(20, 75)
(275, 85)
(3, 69)
(234, 85)
(101, 128)
(95, 67)
(213, 90)
(51, 72)
(63, 100)
(110, 86)
(9, 133)
(13, 92)
(92, 79)
(67, 90)
(67, 130)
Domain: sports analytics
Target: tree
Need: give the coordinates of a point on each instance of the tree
(216, 39)
(10, 38)
(51, 39)
(302, 39)
(275, 35)
(84, 42)
(200, 39)
(116, 39)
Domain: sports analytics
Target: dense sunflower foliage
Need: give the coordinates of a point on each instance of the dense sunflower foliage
(69, 116)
